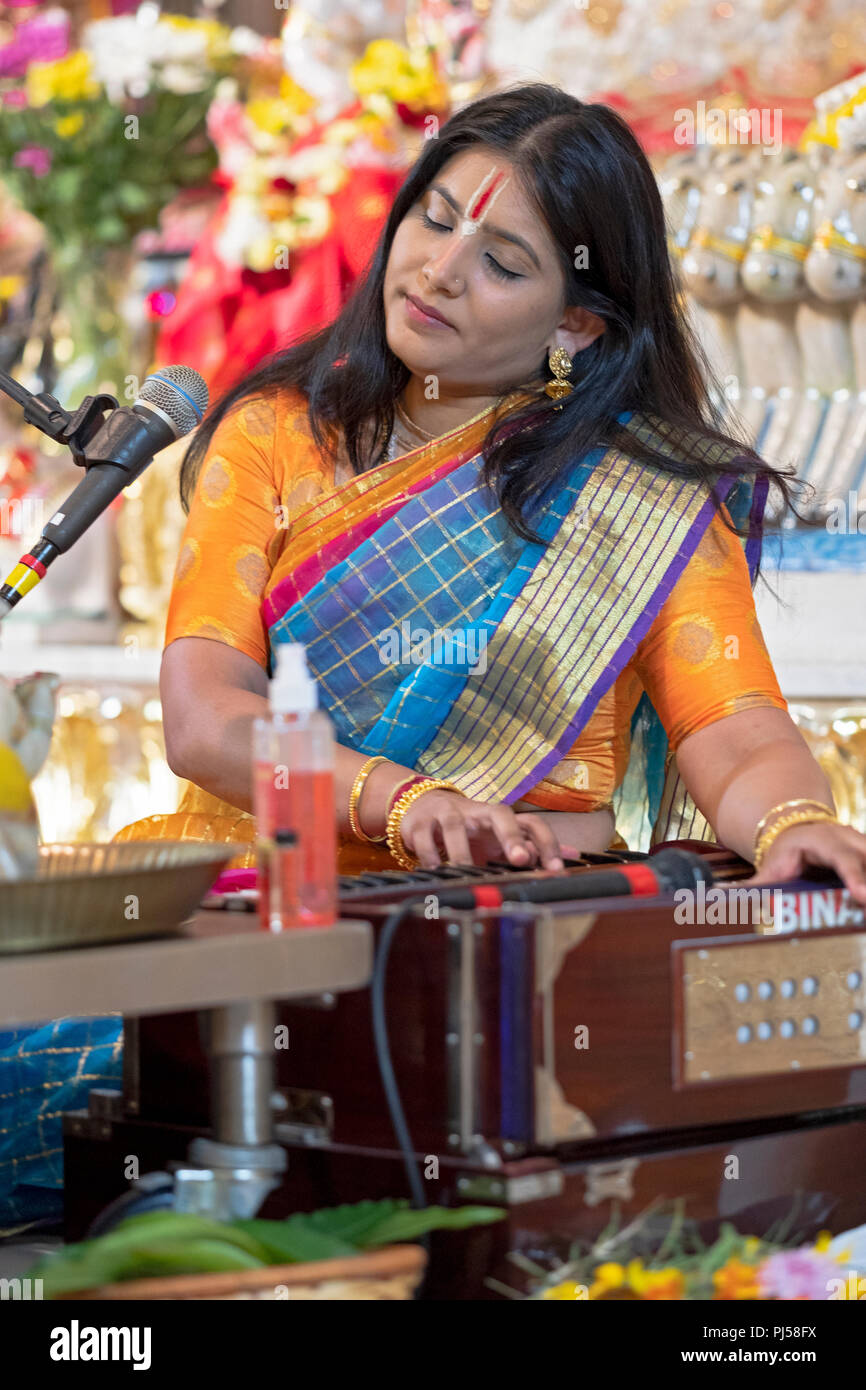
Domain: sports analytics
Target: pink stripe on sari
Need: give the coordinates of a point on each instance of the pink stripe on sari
(307, 574)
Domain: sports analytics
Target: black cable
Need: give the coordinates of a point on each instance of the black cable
(383, 1052)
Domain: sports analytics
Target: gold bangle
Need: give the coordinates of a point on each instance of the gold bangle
(770, 836)
(786, 806)
(398, 810)
(354, 802)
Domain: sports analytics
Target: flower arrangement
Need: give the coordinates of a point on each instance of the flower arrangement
(280, 195)
(119, 131)
(267, 208)
(630, 1265)
(406, 77)
(95, 144)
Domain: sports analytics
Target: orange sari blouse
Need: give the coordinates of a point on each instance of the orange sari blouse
(703, 658)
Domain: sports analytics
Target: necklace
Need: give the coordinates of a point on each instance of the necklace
(411, 423)
(398, 445)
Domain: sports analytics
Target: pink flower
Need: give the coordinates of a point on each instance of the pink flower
(38, 40)
(33, 157)
(227, 129)
(15, 97)
(797, 1274)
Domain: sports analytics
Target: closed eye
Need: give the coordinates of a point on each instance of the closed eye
(428, 222)
(492, 262)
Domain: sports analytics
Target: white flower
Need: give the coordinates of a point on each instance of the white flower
(175, 77)
(127, 54)
(244, 225)
(851, 130)
(318, 211)
(246, 41)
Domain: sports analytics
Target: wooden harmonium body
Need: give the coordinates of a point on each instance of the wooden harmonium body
(547, 1027)
(573, 1062)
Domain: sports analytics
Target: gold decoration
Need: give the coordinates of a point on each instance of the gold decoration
(560, 364)
(604, 17)
(527, 9)
(149, 532)
(789, 806)
(399, 809)
(355, 802)
(836, 735)
(106, 765)
(769, 837)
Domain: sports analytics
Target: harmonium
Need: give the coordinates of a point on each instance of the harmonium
(574, 1060)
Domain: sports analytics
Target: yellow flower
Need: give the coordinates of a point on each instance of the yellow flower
(567, 1291)
(410, 78)
(14, 783)
(67, 79)
(271, 114)
(607, 1276)
(823, 1241)
(68, 126)
(261, 254)
(736, 1280)
(313, 217)
(296, 96)
(668, 1283)
(215, 35)
(9, 285)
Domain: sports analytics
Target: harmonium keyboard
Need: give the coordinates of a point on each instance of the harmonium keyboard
(571, 1060)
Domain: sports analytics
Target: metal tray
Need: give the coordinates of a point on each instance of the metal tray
(88, 893)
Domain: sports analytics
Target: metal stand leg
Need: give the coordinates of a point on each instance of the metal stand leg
(231, 1174)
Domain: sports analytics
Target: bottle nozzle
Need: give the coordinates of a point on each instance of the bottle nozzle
(292, 687)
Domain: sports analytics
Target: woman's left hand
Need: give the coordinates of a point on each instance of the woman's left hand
(838, 847)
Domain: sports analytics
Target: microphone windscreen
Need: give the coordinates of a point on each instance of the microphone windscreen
(180, 393)
(680, 868)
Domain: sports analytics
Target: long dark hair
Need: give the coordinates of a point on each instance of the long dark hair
(594, 188)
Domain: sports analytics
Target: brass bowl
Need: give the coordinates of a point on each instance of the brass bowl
(84, 894)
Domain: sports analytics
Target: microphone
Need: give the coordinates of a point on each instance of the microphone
(664, 872)
(172, 401)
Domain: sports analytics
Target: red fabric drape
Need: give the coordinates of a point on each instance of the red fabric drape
(227, 318)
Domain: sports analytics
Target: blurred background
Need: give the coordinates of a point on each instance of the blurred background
(204, 183)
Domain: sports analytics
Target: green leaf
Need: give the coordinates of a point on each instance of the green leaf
(354, 1221)
(345, 1230)
(132, 197)
(77, 1267)
(296, 1241)
(66, 185)
(409, 1224)
(160, 1226)
(109, 229)
(168, 1242)
(159, 1242)
(183, 1257)
(97, 1262)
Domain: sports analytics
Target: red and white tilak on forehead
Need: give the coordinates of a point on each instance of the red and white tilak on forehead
(482, 200)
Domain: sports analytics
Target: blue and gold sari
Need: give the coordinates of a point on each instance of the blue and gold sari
(437, 637)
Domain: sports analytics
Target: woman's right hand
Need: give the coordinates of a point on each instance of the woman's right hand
(475, 832)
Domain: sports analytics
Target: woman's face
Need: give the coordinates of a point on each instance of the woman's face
(474, 249)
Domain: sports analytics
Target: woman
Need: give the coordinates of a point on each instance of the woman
(504, 438)
(507, 532)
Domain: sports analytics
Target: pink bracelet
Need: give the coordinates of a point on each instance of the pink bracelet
(404, 787)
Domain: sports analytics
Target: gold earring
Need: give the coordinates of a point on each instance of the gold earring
(560, 364)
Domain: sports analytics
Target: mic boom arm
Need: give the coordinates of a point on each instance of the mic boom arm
(75, 430)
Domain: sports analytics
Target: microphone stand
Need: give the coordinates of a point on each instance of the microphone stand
(75, 430)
